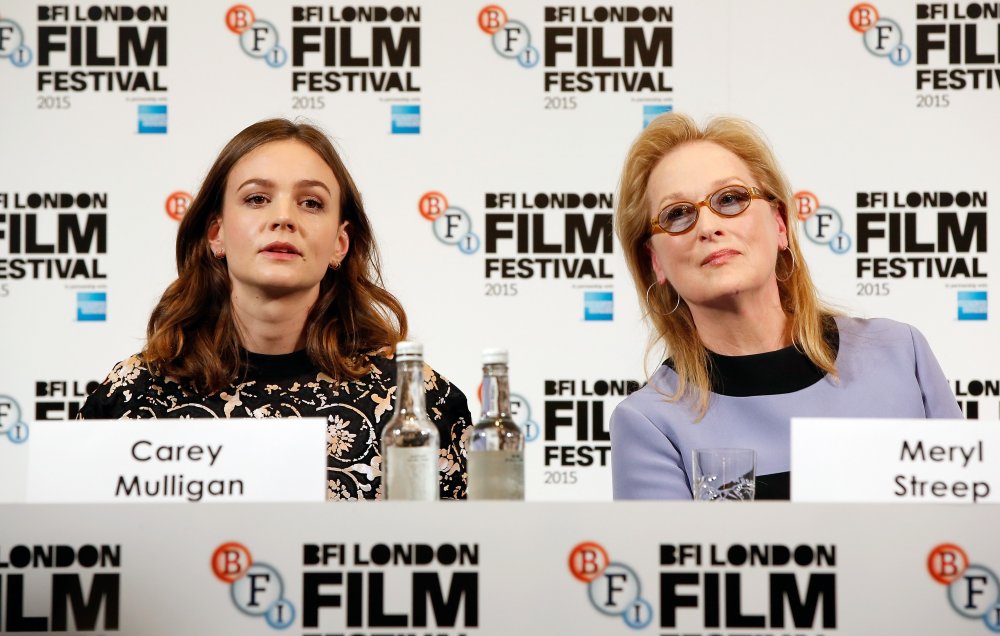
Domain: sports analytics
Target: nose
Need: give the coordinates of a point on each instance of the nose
(282, 217)
(708, 223)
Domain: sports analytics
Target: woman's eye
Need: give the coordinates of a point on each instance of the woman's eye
(732, 198)
(678, 212)
(313, 204)
(256, 199)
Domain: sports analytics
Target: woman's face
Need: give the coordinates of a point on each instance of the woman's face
(719, 258)
(280, 224)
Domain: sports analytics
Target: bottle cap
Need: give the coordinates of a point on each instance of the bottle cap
(409, 350)
(494, 356)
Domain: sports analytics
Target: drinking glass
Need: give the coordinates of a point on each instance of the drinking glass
(723, 474)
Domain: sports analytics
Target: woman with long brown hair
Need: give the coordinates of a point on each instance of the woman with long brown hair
(703, 219)
(278, 310)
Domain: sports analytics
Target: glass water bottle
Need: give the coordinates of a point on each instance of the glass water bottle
(496, 447)
(410, 441)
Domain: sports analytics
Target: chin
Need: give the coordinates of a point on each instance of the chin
(719, 295)
(280, 287)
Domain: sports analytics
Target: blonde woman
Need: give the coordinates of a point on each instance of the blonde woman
(703, 220)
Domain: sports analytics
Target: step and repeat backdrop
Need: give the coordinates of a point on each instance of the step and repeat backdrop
(487, 140)
(471, 570)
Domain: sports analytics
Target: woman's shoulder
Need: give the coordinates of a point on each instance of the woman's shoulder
(134, 376)
(445, 401)
(124, 386)
(654, 396)
(868, 330)
(880, 343)
(381, 369)
(382, 363)
(129, 372)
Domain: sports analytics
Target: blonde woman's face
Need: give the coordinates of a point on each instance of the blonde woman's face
(719, 258)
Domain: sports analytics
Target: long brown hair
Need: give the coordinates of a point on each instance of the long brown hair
(192, 337)
(675, 328)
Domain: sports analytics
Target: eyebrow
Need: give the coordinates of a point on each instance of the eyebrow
(267, 183)
(677, 196)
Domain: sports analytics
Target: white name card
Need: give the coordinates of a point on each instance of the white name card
(167, 461)
(892, 460)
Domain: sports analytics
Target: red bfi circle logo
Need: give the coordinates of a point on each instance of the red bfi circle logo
(177, 204)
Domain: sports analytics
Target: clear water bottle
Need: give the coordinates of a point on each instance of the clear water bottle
(496, 447)
(410, 441)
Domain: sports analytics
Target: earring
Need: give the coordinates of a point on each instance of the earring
(335, 266)
(676, 305)
(221, 254)
(791, 270)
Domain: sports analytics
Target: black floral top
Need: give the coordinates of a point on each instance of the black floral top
(289, 385)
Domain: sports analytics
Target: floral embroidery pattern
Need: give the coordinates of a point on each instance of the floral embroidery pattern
(339, 438)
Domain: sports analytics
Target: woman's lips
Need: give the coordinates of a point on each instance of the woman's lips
(281, 251)
(719, 257)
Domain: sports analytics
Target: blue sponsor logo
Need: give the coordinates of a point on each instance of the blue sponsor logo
(406, 119)
(972, 305)
(91, 306)
(598, 305)
(652, 111)
(153, 119)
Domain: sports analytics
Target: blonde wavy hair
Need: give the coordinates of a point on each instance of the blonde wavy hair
(676, 329)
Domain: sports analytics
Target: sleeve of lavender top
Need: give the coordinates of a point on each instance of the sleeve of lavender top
(939, 401)
(645, 464)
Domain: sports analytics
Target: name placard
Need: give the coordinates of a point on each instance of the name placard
(167, 461)
(895, 460)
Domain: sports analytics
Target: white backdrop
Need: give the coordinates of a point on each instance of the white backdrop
(844, 110)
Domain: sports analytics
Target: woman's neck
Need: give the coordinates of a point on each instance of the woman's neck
(744, 326)
(272, 326)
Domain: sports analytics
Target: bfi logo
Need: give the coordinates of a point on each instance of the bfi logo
(451, 225)
(256, 588)
(520, 412)
(12, 44)
(177, 204)
(614, 588)
(258, 38)
(882, 36)
(973, 590)
(12, 426)
(511, 38)
(822, 224)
